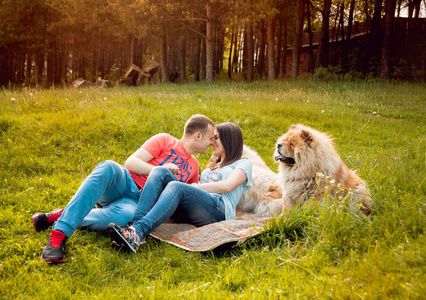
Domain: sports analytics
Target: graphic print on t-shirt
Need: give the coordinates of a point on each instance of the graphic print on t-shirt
(214, 176)
(184, 168)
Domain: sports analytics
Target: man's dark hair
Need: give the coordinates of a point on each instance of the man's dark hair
(197, 123)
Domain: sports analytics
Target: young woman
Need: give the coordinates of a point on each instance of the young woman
(214, 199)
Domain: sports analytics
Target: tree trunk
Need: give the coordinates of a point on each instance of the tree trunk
(417, 5)
(261, 56)
(271, 52)
(373, 48)
(236, 51)
(390, 6)
(164, 67)
(4, 63)
(297, 39)
(182, 57)
(323, 55)
(250, 52)
(284, 54)
(399, 8)
(311, 47)
(219, 49)
(245, 48)
(203, 60)
(279, 47)
(209, 43)
(230, 53)
(347, 43)
(375, 23)
(197, 58)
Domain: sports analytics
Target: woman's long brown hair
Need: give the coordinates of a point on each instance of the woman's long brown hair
(232, 141)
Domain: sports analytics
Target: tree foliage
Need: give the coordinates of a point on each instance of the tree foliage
(52, 42)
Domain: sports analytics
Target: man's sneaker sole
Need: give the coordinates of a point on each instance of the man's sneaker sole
(115, 234)
(55, 260)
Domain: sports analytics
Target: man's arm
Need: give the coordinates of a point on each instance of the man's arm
(138, 163)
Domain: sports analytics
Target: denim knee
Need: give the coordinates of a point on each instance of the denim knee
(107, 165)
(175, 186)
(159, 171)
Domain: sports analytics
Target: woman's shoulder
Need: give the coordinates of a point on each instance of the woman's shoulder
(242, 161)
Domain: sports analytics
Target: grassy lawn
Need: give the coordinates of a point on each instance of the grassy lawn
(52, 139)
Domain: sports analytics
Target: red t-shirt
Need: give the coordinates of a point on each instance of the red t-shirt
(168, 149)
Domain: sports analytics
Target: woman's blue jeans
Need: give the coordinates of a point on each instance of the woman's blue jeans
(164, 197)
(111, 185)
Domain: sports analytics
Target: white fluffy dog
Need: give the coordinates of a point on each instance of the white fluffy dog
(264, 197)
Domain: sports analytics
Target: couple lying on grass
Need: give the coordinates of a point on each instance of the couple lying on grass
(159, 181)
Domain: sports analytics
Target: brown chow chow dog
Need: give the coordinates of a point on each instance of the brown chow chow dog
(309, 165)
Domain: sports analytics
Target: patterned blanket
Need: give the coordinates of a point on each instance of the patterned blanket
(226, 234)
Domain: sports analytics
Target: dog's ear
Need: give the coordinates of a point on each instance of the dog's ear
(306, 136)
(293, 126)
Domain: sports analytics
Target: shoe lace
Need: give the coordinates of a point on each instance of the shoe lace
(53, 217)
(56, 238)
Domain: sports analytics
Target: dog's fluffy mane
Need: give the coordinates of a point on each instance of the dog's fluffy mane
(317, 156)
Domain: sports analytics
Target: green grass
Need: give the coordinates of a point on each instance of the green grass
(50, 140)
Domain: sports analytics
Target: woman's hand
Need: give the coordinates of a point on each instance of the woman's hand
(214, 158)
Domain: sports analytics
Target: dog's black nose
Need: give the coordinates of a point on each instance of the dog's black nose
(279, 146)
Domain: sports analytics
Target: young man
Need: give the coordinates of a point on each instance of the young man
(117, 188)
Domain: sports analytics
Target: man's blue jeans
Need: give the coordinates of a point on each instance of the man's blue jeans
(111, 185)
(164, 197)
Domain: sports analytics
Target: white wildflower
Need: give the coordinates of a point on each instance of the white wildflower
(349, 103)
(105, 98)
(276, 99)
(307, 101)
(374, 113)
(12, 99)
(322, 111)
(241, 102)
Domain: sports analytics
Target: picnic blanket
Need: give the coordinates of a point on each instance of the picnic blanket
(226, 234)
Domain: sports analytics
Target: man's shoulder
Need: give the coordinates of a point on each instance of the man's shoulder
(164, 136)
(164, 139)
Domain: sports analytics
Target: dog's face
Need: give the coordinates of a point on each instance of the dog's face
(291, 145)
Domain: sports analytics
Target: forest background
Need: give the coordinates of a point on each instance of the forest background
(53, 42)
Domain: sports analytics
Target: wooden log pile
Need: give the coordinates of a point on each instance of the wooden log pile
(134, 76)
